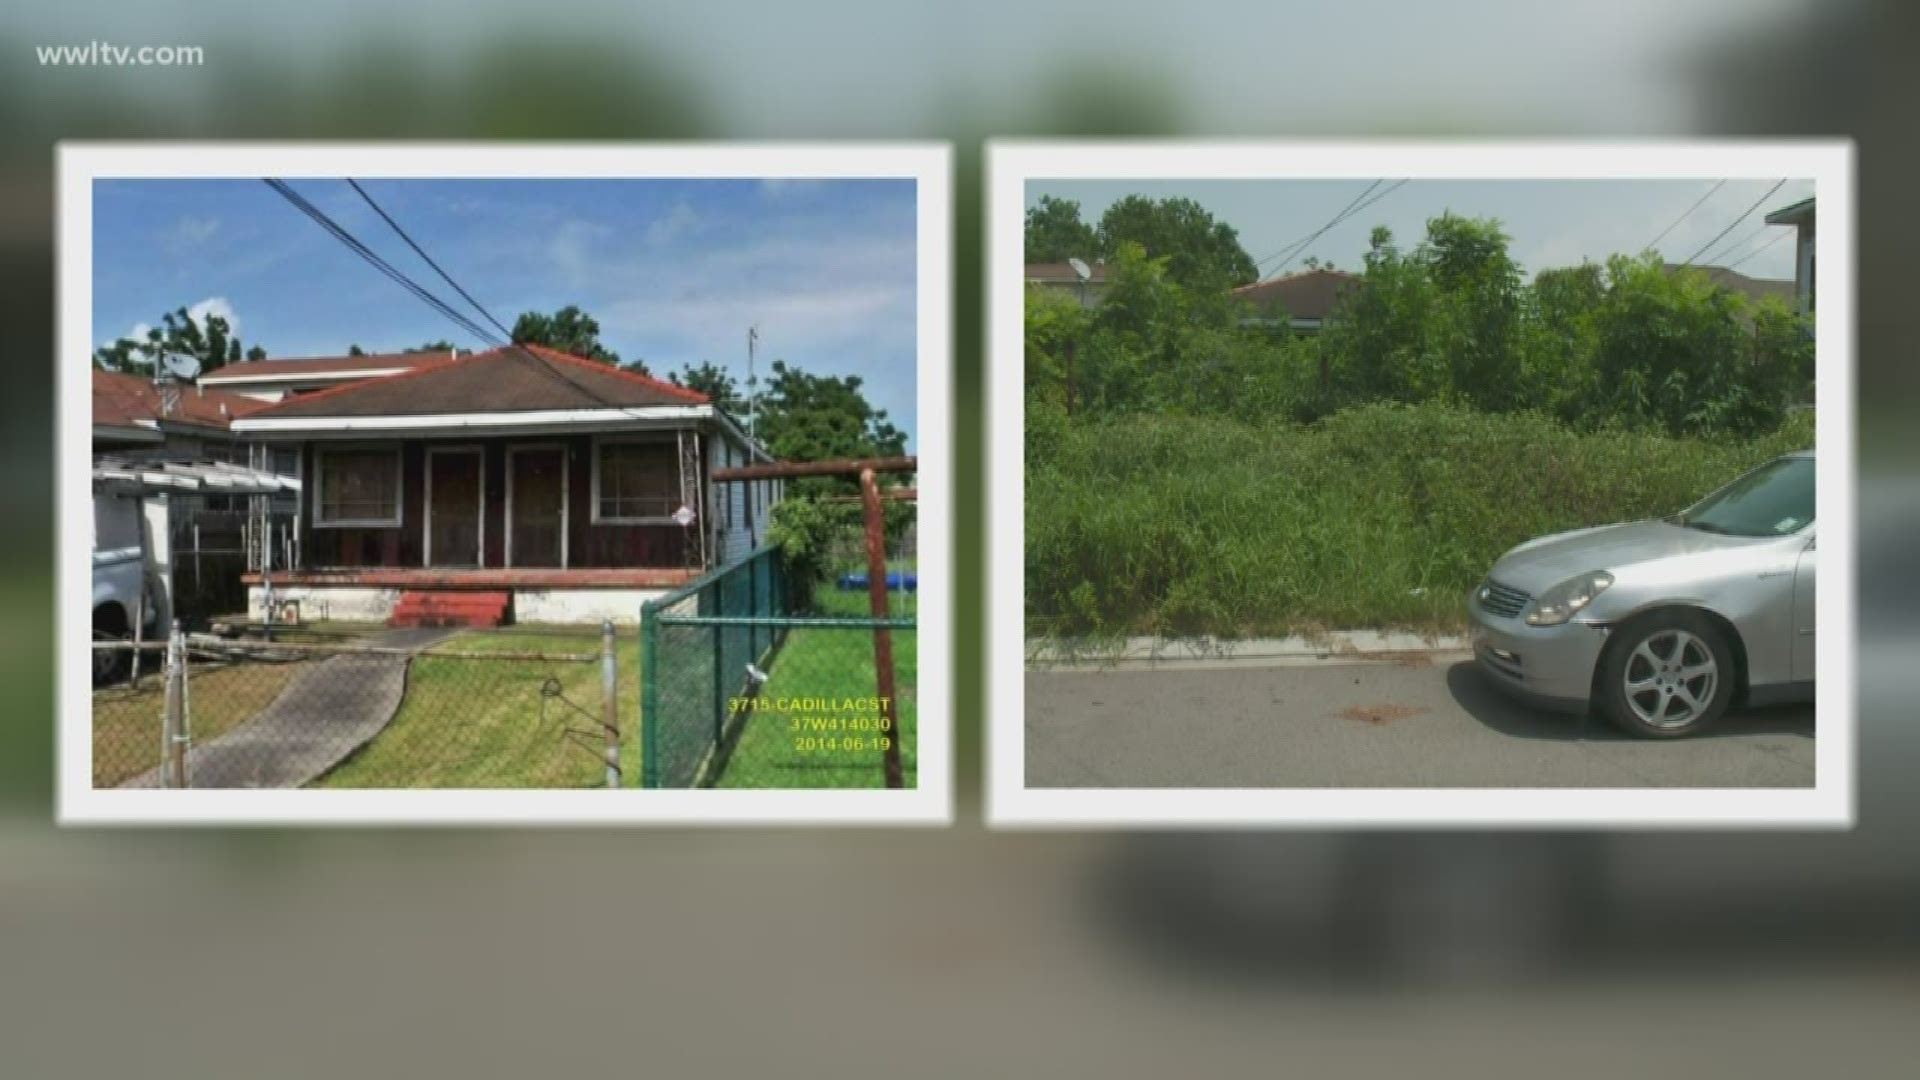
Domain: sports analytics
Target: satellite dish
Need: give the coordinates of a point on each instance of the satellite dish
(180, 365)
(1080, 268)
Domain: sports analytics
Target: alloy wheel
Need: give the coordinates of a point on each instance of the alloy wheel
(1671, 678)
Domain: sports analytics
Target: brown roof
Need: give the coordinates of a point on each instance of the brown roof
(1064, 273)
(1310, 294)
(1753, 288)
(498, 380)
(323, 365)
(122, 400)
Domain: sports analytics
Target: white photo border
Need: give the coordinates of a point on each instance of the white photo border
(1829, 804)
(929, 164)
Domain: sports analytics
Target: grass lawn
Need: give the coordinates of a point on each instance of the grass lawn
(827, 664)
(126, 722)
(486, 724)
(1381, 516)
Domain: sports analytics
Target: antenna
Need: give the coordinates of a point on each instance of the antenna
(753, 338)
(1080, 268)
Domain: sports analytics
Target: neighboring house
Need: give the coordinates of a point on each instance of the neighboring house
(274, 380)
(514, 482)
(1753, 288)
(1063, 277)
(1302, 302)
(1800, 216)
(138, 417)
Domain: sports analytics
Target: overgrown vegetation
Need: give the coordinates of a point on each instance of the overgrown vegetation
(1219, 474)
(1381, 515)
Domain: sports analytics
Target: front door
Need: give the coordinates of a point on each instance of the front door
(536, 506)
(454, 489)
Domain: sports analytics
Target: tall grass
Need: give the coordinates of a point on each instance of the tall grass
(1378, 516)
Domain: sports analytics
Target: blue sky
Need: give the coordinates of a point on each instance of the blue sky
(675, 270)
(1552, 222)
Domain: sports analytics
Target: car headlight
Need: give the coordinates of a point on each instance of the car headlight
(1560, 603)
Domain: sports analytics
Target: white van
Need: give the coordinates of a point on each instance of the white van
(123, 590)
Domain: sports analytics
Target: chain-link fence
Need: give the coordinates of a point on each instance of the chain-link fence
(400, 709)
(760, 676)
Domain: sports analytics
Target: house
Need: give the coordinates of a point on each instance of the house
(273, 380)
(1754, 289)
(1302, 302)
(1800, 216)
(519, 482)
(1064, 277)
(207, 534)
(137, 416)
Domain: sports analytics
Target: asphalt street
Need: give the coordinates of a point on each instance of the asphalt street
(1419, 722)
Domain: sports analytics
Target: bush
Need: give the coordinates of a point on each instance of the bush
(1381, 515)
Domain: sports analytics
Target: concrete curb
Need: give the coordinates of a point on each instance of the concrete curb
(1335, 647)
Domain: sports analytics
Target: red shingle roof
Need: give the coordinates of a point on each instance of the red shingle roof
(1310, 294)
(122, 400)
(323, 365)
(498, 380)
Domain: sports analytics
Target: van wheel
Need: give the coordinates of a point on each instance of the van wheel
(110, 665)
(1667, 676)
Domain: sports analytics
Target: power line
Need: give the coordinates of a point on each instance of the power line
(1292, 251)
(1701, 201)
(1731, 225)
(1337, 216)
(1783, 235)
(1727, 249)
(353, 244)
(444, 276)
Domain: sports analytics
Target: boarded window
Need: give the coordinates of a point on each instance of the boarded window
(636, 482)
(358, 487)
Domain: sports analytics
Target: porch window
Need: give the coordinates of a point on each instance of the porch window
(635, 483)
(358, 487)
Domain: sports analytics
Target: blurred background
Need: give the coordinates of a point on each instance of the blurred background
(283, 953)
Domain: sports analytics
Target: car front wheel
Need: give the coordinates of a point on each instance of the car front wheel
(1668, 675)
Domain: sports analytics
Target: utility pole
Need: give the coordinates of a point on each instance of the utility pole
(753, 338)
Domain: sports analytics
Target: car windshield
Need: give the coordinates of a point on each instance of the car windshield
(1773, 500)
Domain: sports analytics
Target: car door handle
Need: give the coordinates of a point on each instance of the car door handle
(1764, 574)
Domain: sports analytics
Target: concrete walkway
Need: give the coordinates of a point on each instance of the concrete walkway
(324, 714)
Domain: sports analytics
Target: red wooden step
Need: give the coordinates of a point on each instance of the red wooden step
(450, 608)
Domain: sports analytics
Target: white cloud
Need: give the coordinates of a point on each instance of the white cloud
(672, 224)
(215, 305)
(189, 234)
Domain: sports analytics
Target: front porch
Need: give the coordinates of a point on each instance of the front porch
(399, 595)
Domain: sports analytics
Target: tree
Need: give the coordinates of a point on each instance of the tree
(805, 417)
(439, 345)
(1055, 233)
(569, 330)
(713, 381)
(210, 339)
(1201, 253)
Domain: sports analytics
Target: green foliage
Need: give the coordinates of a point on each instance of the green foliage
(572, 331)
(1379, 515)
(804, 417)
(1452, 320)
(1055, 233)
(1200, 252)
(808, 530)
(211, 340)
(441, 345)
(713, 381)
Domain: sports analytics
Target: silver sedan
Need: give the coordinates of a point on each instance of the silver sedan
(1662, 624)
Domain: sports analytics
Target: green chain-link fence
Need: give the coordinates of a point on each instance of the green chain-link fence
(750, 678)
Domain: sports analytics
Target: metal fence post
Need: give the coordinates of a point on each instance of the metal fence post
(609, 702)
(882, 637)
(649, 699)
(174, 724)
